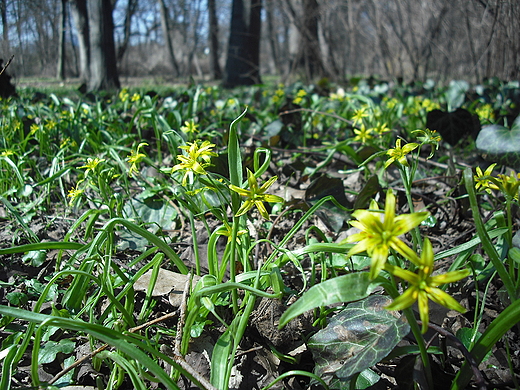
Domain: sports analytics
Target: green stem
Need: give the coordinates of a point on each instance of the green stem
(414, 326)
(195, 244)
(232, 260)
(484, 236)
(407, 178)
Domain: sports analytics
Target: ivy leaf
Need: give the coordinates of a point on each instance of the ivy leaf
(330, 214)
(501, 144)
(356, 338)
(48, 352)
(453, 126)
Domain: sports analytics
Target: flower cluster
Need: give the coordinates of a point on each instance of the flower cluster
(197, 158)
(378, 237)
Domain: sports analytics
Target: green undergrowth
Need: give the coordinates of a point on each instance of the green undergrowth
(136, 173)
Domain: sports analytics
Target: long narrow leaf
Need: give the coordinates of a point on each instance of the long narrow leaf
(124, 343)
(345, 288)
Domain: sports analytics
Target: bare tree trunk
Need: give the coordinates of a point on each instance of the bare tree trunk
(60, 71)
(166, 35)
(243, 59)
(216, 72)
(273, 41)
(78, 9)
(5, 25)
(308, 55)
(127, 30)
(103, 66)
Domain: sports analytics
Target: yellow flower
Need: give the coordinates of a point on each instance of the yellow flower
(429, 137)
(299, 96)
(424, 286)
(485, 112)
(359, 115)
(227, 229)
(74, 193)
(256, 196)
(123, 95)
(135, 97)
(377, 237)
(190, 127)
(91, 164)
(381, 128)
(197, 158)
(135, 158)
(399, 153)
(509, 185)
(363, 134)
(482, 179)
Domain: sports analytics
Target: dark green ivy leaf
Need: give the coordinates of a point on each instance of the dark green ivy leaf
(356, 338)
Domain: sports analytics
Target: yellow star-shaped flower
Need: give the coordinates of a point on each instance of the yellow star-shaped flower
(256, 196)
(424, 286)
(399, 153)
(377, 237)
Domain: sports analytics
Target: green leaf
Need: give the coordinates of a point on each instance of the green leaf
(501, 144)
(17, 298)
(345, 288)
(467, 336)
(365, 379)
(219, 360)
(51, 348)
(34, 258)
(127, 344)
(456, 93)
(357, 338)
(151, 211)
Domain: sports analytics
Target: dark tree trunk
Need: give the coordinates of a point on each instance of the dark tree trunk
(103, 65)
(243, 58)
(216, 72)
(60, 71)
(311, 54)
(79, 12)
(166, 34)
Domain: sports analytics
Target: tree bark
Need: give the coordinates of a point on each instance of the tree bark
(216, 71)
(243, 57)
(103, 63)
(307, 55)
(60, 71)
(130, 11)
(5, 25)
(166, 35)
(79, 12)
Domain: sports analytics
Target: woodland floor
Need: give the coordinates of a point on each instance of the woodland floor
(257, 366)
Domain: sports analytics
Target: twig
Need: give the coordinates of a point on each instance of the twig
(6, 65)
(105, 346)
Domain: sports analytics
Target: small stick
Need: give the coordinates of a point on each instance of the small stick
(105, 346)
(6, 65)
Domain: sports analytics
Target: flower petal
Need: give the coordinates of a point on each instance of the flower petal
(246, 206)
(444, 299)
(424, 311)
(406, 222)
(449, 277)
(404, 300)
(261, 208)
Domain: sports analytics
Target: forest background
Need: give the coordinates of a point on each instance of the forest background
(171, 40)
